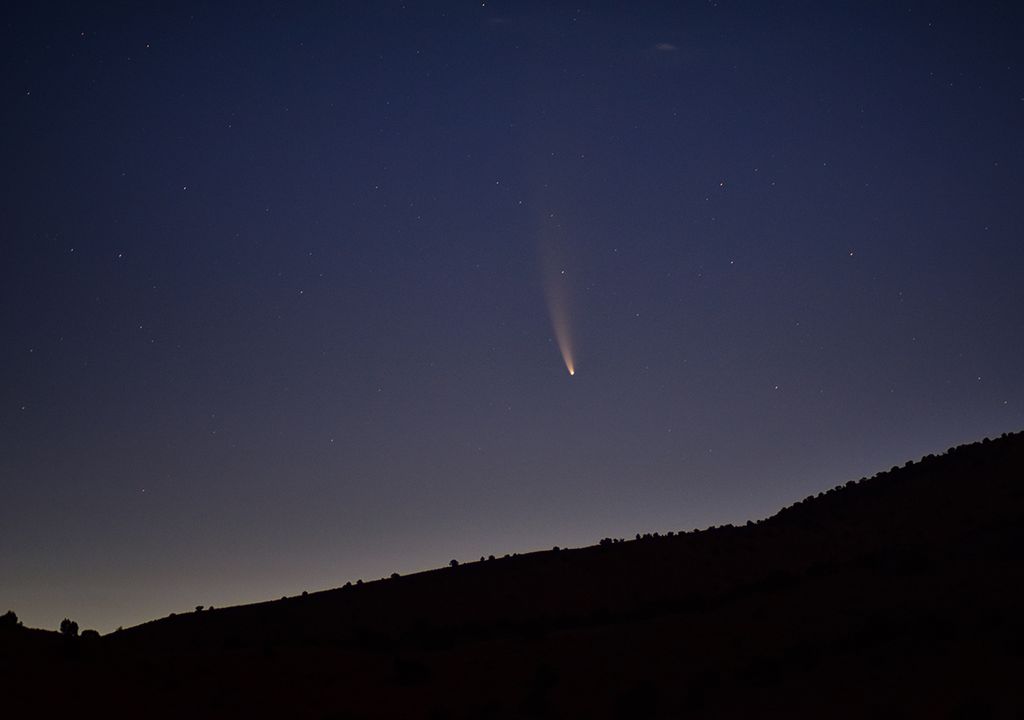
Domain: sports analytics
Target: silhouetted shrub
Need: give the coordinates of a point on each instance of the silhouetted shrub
(199, 608)
(347, 585)
(90, 635)
(490, 557)
(605, 541)
(395, 576)
(68, 628)
(555, 549)
(8, 619)
(454, 563)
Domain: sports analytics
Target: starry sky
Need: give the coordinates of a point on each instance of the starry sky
(282, 285)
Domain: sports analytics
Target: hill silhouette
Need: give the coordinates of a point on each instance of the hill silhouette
(894, 596)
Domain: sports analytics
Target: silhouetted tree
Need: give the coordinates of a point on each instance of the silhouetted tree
(454, 563)
(199, 608)
(8, 619)
(90, 635)
(68, 628)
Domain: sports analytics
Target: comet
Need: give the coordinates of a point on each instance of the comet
(557, 297)
(557, 284)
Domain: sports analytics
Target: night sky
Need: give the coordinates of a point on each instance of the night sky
(283, 285)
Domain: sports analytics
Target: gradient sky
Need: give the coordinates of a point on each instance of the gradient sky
(272, 282)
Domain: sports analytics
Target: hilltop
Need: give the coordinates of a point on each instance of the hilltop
(892, 595)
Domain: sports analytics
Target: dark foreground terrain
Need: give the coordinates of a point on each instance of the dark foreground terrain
(895, 596)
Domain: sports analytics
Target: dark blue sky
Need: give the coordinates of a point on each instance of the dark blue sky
(272, 290)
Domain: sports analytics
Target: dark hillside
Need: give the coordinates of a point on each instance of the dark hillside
(899, 595)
